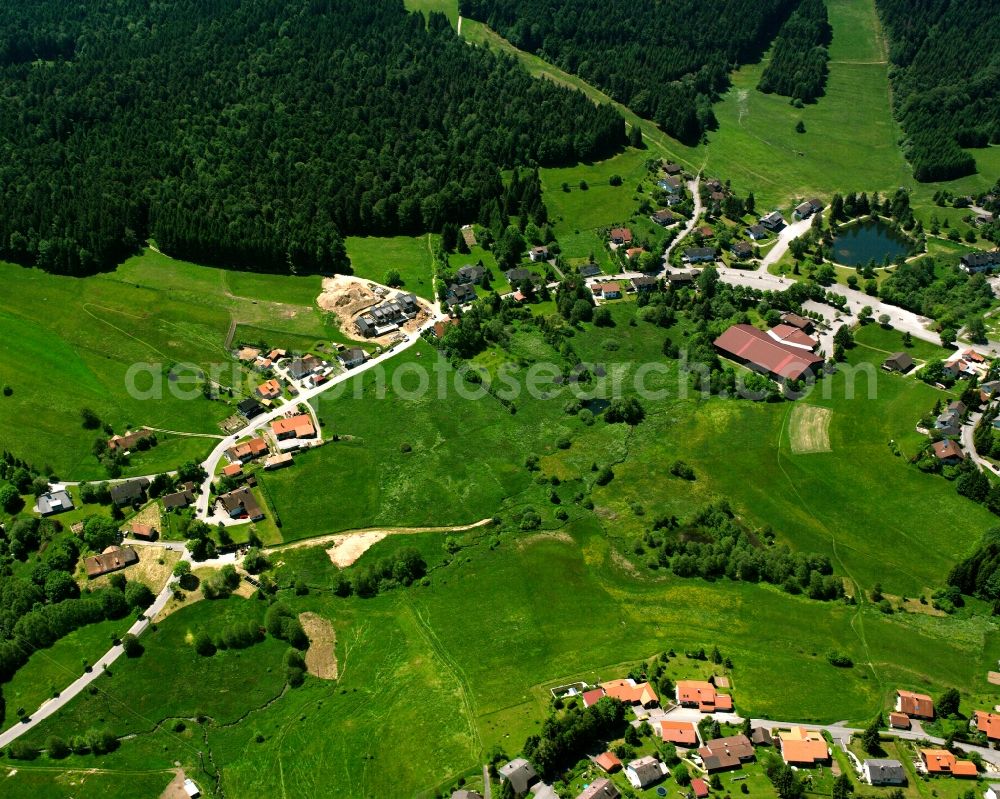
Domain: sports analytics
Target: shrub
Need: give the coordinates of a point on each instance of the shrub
(131, 646)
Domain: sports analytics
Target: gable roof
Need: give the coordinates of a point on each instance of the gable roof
(646, 769)
(698, 692)
(601, 788)
(883, 771)
(111, 559)
(129, 491)
(793, 336)
(938, 761)
(799, 745)
(679, 732)
(622, 233)
(608, 761)
(631, 692)
(747, 343)
(300, 426)
(520, 773)
(988, 723)
(699, 787)
(593, 696)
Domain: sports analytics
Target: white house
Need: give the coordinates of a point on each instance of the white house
(645, 771)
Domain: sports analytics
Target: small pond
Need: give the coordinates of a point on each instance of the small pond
(858, 244)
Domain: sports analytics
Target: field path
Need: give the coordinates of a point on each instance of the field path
(693, 188)
(332, 538)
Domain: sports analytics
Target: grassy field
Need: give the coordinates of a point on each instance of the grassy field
(411, 256)
(430, 680)
(78, 338)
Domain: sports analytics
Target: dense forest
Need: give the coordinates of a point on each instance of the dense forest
(945, 74)
(667, 61)
(979, 574)
(797, 68)
(257, 134)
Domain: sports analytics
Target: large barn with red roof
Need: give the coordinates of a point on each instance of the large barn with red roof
(762, 353)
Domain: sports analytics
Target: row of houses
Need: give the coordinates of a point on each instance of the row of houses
(388, 316)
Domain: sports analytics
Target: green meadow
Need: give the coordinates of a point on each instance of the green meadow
(75, 340)
(431, 677)
(412, 256)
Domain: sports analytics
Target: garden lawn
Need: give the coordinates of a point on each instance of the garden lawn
(412, 256)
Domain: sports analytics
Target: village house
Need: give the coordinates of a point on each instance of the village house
(518, 275)
(898, 362)
(702, 695)
(631, 693)
(757, 232)
(521, 775)
(250, 408)
(129, 492)
(279, 461)
(110, 560)
(645, 771)
(240, 503)
(303, 367)
(608, 761)
(774, 221)
(748, 345)
(300, 426)
(672, 169)
(633, 252)
(128, 441)
(664, 217)
(699, 788)
(980, 262)
(470, 273)
(644, 283)
(590, 270)
(680, 733)
(671, 185)
(247, 450)
(351, 357)
(593, 696)
(53, 502)
(761, 736)
(742, 250)
(699, 255)
(608, 291)
(793, 337)
(948, 452)
(803, 748)
(883, 772)
(943, 762)
(620, 235)
(724, 754)
(803, 323)
(269, 389)
(899, 721)
(916, 706)
(144, 532)
(987, 723)
(277, 354)
(807, 209)
(460, 294)
(536, 254)
(679, 280)
(601, 788)
(232, 470)
(179, 499)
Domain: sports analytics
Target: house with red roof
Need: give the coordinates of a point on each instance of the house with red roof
(700, 788)
(702, 695)
(988, 723)
(916, 706)
(793, 337)
(620, 235)
(592, 697)
(681, 733)
(631, 693)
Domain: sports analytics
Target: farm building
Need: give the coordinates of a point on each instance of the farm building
(898, 362)
(110, 560)
(748, 345)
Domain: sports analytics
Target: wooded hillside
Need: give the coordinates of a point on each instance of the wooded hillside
(667, 61)
(945, 74)
(257, 134)
(798, 61)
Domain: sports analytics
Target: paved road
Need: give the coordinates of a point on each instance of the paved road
(210, 464)
(693, 188)
(969, 446)
(785, 236)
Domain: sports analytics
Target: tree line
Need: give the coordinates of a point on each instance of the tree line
(667, 61)
(945, 79)
(797, 68)
(256, 135)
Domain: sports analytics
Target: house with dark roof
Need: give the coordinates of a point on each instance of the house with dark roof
(773, 221)
(517, 276)
(948, 452)
(664, 217)
(645, 771)
(757, 232)
(129, 440)
(724, 754)
(144, 532)
(53, 502)
(536, 254)
(520, 774)
(110, 560)
(803, 323)
(883, 772)
(807, 209)
(644, 283)
(699, 255)
(755, 348)
(898, 362)
(129, 492)
(250, 408)
(761, 736)
(742, 250)
(460, 294)
(470, 273)
(680, 279)
(351, 357)
(590, 270)
(179, 499)
(672, 169)
(980, 262)
(240, 503)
